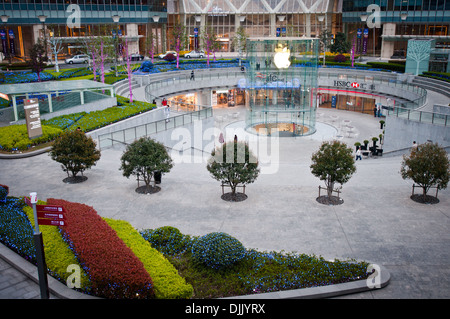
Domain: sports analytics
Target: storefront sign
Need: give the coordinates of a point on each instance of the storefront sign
(32, 118)
(354, 85)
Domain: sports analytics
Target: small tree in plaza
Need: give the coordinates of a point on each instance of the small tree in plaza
(333, 163)
(38, 57)
(76, 152)
(240, 42)
(340, 44)
(180, 39)
(143, 158)
(427, 165)
(232, 164)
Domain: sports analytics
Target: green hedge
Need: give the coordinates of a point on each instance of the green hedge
(168, 284)
(437, 75)
(15, 137)
(387, 66)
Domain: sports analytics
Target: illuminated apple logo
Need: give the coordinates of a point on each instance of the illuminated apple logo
(282, 57)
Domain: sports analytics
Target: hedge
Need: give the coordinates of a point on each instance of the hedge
(168, 284)
(58, 255)
(15, 137)
(114, 270)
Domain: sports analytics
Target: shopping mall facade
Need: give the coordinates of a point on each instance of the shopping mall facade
(385, 28)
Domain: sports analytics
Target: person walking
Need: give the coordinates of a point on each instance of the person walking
(192, 75)
(358, 154)
(166, 109)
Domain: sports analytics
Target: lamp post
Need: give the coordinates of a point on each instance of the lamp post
(116, 19)
(42, 18)
(5, 20)
(325, 37)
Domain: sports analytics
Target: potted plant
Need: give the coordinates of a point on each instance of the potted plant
(366, 142)
(357, 145)
(382, 124)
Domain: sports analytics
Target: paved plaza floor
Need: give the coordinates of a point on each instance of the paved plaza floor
(378, 222)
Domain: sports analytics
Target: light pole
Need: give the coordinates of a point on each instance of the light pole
(324, 37)
(42, 18)
(5, 20)
(116, 19)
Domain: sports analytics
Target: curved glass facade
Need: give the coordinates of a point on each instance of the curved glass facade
(281, 86)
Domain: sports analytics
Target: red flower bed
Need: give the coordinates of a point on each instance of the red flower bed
(114, 270)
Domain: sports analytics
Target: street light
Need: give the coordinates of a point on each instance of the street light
(42, 18)
(116, 19)
(321, 18)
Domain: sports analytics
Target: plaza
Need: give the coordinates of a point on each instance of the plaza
(377, 222)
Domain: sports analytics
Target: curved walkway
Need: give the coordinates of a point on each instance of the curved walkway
(377, 222)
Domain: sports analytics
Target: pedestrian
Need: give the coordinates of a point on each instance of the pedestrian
(221, 139)
(166, 109)
(235, 138)
(164, 102)
(192, 75)
(414, 145)
(358, 154)
(379, 109)
(374, 111)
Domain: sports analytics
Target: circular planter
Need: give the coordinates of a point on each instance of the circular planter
(238, 197)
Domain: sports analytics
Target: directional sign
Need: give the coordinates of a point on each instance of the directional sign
(50, 208)
(51, 222)
(54, 216)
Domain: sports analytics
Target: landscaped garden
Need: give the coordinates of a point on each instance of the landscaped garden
(119, 262)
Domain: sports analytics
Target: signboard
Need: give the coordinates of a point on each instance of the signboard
(333, 101)
(278, 32)
(359, 40)
(52, 215)
(51, 222)
(28, 201)
(4, 42)
(365, 40)
(50, 208)
(33, 118)
(196, 39)
(42, 214)
(12, 47)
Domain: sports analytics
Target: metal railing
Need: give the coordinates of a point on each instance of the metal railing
(420, 116)
(198, 112)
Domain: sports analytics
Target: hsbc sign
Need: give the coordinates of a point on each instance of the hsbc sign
(353, 85)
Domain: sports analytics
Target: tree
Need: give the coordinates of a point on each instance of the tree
(76, 152)
(144, 157)
(129, 70)
(240, 42)
(232, 164)
(180, 38)
(427, 165)
(55, 43)
(333, 163)
(209, 39)
(340, 44)
(150, 44)
(325, 42)
(38, 57)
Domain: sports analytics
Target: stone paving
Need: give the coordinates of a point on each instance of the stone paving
(377, 222)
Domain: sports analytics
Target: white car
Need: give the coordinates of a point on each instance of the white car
(162, 56)
(80, 58)
(195, 54)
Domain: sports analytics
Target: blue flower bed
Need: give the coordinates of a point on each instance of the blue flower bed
(190, 65)
(25, 77)
(16, 231)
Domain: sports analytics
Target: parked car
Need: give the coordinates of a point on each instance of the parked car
(161, 56)
(136, 57)
(80, 58)
(195, 54)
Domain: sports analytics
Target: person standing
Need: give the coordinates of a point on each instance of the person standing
(166, 109)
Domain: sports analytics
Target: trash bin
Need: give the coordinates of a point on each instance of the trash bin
(158, 177)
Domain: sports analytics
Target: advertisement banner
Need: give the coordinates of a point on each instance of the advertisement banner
(365, 40)
(358, 40)
(196, 39)
(278, 32)
(12, 47)
(32, 118)
(4, 42)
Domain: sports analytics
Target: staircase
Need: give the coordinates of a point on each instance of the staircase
(122, 87)
(438, 86)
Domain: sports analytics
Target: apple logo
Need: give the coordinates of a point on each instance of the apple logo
(281, 57)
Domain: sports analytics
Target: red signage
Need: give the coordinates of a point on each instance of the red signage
(55, 216)
(50, 208)
(355, 85)
(51, 222)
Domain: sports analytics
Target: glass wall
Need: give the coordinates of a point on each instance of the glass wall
(281, 86)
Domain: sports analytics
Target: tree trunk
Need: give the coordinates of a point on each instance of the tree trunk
(424, 189)
(330, 189)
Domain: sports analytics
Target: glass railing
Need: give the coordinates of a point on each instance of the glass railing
(420, 116)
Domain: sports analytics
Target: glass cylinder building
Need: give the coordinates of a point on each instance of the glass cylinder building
(281, 86)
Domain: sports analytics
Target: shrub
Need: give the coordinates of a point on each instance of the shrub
(168, 284)
(387, 66)
(218, 250)
(146, 66)
(114, 270)
(15, 137)
(340, 58)
(170, 57)
(4, 190)
(168, 240)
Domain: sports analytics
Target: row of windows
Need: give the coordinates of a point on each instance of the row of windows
(88, 5)
(396, 5)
